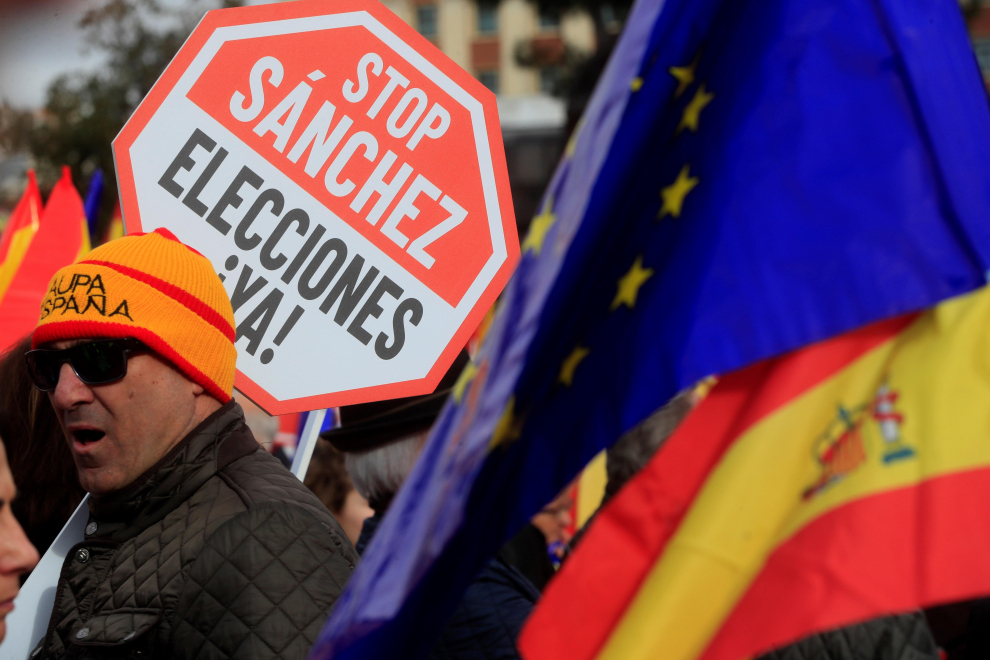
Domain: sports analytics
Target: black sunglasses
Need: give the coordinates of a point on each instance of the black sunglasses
(94, 362)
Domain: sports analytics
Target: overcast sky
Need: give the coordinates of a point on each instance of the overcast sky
(40, 40)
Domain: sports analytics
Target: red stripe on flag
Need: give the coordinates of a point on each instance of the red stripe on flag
(791, 375)
(626, 540)
(924, 545)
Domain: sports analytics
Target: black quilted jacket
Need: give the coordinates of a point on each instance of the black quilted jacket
(216, 552)
(902, 637)
(490, 617)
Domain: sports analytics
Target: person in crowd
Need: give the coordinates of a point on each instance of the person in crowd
(538, 549)
(637, 446)
(17, 555)
(48, 489)
(199, 543)
(381, 442)
(328, 479)
(555, 522)
(961, 629)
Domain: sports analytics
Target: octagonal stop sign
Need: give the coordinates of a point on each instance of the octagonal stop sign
(347, 181)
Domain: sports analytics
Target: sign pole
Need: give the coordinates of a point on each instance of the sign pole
(307, 443)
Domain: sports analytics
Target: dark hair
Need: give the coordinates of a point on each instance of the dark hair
(633, 451)
(40, 460)
(327, 477)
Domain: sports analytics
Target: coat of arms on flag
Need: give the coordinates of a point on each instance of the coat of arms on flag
(841, 448)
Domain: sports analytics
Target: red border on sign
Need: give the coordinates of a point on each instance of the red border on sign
(301, 9)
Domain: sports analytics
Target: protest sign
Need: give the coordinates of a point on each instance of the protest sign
(346, 179)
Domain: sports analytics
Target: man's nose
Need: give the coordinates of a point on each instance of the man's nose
(17, 555)
(70, 391)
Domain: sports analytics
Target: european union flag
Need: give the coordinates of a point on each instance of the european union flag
(751, 176)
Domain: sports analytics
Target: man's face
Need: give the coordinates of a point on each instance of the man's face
(555, 519)
(117, 431)
(17, 555)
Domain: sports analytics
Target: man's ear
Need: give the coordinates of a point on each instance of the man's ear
(197, 389)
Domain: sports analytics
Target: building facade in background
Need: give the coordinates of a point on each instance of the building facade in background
(520, 55)
(509, 46)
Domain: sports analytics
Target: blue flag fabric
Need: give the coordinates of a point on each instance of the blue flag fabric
(750, 176)
(92, 204)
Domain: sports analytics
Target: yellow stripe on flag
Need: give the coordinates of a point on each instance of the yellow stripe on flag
(116, 229)
(84, 244)
(23, 224)
(764, 489)
(591, 489)
(18, 247)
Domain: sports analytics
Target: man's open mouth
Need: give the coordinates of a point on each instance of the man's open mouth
(86, 436)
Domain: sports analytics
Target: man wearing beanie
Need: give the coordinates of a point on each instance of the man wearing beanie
(199, 543)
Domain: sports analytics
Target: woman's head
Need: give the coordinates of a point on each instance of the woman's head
(37, 454)
(17, 555)
(329, 481)
(379, 473)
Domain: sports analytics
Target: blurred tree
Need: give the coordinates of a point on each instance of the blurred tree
(15, 128)
(83, 113)
(569, 66)
(608, 15)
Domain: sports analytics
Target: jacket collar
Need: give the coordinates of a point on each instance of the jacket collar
(368, 529)
(220, 439)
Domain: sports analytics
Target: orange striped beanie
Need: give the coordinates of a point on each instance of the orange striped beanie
(153, 288)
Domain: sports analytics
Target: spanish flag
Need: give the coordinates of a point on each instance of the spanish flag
(20, 229)
(62, 237)
(840, 482)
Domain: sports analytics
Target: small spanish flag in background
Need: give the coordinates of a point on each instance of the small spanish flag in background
(115, 228)
(838, 483)
(20, 229)
(62, 237)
